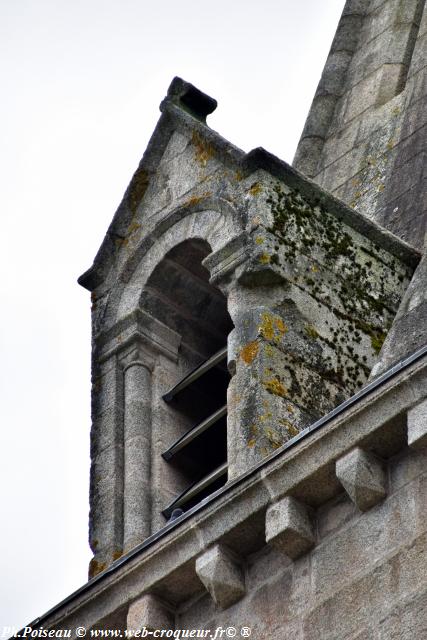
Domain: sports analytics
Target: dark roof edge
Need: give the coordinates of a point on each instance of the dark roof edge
(365, 391)
(261, 159)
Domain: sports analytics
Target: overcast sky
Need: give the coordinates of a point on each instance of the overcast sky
(82, 81)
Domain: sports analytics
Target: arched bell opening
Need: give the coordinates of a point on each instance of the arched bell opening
(178, 293)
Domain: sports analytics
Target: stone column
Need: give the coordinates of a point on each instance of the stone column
(106, 476)
(137, 455)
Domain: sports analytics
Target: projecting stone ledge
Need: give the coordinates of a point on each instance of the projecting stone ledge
(221, 575)
(417, 426)
(363, 478)
(288, 527)
(150, 613)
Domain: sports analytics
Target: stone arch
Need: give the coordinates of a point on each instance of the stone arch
(178, 294)
(163, 277)
(215, 221)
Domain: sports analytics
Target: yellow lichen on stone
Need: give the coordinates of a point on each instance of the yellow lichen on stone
(255, 189)
(96, 567)
(276, 387)
(137, 189)
(259, 240)
(274, 437)
(280, 325)
(290, 428)
(134, 226)
(191, 202)
(311, 331)
(268, 351)
(249, 352)
(121, 242)
(264, 258)
(203, 150)
(266, 328)
(253, 432)
(272, 328)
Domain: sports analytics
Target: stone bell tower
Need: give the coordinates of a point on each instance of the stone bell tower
(234, 304)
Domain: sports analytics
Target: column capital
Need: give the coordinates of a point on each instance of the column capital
(139, 330)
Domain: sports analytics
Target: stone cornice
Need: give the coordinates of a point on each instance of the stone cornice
(164, 564)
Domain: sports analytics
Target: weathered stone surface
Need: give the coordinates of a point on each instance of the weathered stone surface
(355, 548)
(150, 613)
(222, 576)
(334, 515)
(363, 477)
(417, 426)
(409, 465)
(409, 330)
(288, 526)
(137, 454)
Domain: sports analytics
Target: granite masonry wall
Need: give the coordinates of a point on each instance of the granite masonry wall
(365, 138)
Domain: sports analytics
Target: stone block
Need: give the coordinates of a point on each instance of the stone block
(417, 426)
(288, 527)
(408, 621)
(363, 478)
(308, 154)
(222, 576)
(149, 612)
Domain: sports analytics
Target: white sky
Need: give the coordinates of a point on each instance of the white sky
(82, 81)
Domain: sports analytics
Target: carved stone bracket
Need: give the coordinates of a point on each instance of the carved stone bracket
(362, 476)
(222, 575)
(289, 527)
(149, 612)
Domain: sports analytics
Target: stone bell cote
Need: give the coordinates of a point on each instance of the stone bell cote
(235, 302)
